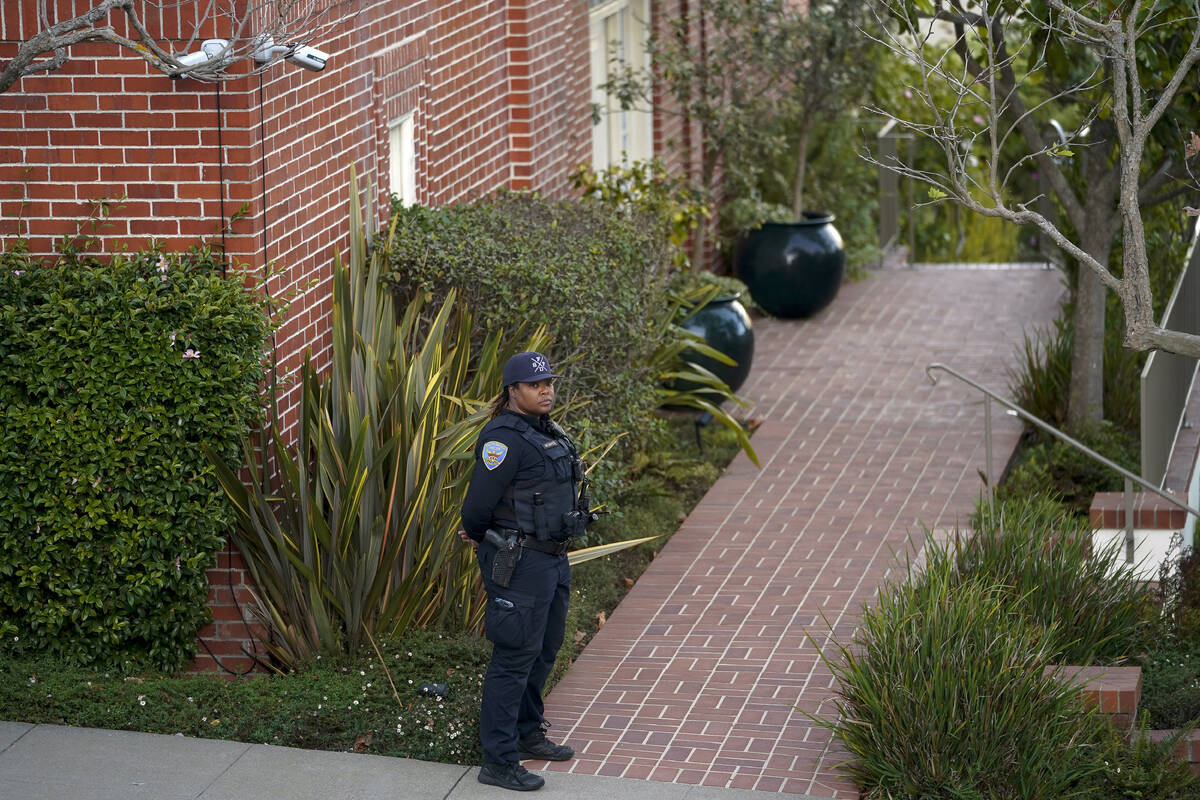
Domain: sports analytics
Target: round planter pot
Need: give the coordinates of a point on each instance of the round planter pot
(793, 269)
(725, 327)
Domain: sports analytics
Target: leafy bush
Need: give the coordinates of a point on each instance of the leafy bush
(114, 374)
(1179, 593)
(1171, 685)
(595, 279)
(1073, 476)
(1041, 382)
(1139, 766)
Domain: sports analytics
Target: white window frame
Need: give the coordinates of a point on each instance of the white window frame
(620, 28)
(402, 159)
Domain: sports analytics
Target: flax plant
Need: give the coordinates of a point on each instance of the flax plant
(944, 693)
(357, 538)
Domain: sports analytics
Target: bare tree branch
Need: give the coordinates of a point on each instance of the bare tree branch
(994, 68)
(244, 27)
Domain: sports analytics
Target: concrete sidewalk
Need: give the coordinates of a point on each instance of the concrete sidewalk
(52, 762)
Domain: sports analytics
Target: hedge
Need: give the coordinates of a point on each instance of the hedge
(594, 276)
(109, 512)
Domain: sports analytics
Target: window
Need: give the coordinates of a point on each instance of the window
(402, 156)
(618, 36)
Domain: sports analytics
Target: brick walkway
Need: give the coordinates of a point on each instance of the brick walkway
(704, 673)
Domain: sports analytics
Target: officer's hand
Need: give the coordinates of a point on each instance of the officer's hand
(474, 544)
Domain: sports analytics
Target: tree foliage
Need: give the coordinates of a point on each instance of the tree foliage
(1095, 101)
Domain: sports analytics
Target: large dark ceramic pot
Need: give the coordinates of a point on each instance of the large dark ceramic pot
(793, 269)
(725, 327)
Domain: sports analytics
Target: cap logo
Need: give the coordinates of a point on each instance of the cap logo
(540, 365)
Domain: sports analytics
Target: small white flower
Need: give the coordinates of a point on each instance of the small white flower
(191, 352)
(141, 699)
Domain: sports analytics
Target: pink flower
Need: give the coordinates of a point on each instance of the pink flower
(978, 119)
(191, 353)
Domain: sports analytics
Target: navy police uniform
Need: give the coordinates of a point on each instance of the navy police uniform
(525, 483)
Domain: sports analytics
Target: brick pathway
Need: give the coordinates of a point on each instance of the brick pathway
(704, 673)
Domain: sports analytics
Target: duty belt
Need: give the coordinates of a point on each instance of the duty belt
(531, 542)
(553, 548)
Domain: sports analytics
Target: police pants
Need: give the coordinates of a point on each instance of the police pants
(525, 623)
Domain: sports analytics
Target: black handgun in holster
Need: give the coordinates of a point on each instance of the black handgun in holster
(508, 553)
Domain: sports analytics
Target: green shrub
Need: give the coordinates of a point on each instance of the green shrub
(114, 374)
(1138, 766)
(1074, 477)
(1171, 685)
(1041, 382)
(1044, 560)
(1179, 594)
(942, 693)
(594, 278)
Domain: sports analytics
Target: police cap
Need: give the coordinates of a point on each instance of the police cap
(527, 367)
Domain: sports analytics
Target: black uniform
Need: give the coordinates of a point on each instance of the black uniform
(526, 479)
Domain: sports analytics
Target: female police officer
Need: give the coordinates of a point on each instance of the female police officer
(522, 508)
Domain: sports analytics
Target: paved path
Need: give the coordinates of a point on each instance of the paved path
(706, 671)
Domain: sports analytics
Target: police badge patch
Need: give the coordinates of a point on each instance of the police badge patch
(493, 454)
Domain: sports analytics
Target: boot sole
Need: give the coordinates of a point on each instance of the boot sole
(490, 782)
(526, 756)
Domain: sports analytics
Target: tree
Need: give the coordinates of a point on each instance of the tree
(1120, 70)
(756, 78)
(214, 34)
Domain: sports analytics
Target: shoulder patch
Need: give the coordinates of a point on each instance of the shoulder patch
(493, 454)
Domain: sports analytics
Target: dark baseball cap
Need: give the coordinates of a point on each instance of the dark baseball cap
(527, 368)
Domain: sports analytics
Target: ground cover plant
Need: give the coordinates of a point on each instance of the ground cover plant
(116, 370)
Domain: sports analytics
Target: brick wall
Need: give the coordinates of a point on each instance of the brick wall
(499, 96)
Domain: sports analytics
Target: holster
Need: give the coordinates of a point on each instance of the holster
(508, 553)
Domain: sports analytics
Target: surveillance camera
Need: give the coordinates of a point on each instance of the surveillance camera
(308, 57)
(210, 50)
(193, 59)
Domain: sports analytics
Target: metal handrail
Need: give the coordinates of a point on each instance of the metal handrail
(1130, 478)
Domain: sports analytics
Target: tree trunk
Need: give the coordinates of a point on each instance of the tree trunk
(1085, 398)
(798, 179)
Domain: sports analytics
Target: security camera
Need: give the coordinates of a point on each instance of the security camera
(299, 54)
(308, 57)
(210, 50)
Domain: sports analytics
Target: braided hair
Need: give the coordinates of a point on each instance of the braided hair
(499, 404)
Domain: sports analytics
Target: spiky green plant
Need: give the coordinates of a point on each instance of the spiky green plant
(358, 537)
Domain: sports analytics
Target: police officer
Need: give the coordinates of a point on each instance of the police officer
(522, 509)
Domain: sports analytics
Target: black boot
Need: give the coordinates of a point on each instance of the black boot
(536, 745)
(510, 776)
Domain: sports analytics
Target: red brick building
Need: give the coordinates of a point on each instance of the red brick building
(434, 100)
